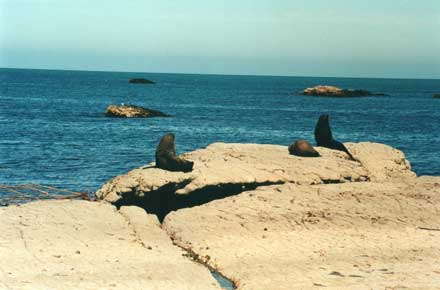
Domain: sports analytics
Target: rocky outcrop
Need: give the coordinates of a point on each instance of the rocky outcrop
(140, 81)
(436, 96)
(223, 164)
(90, 245)
(130, 111)
(330, 91)
(382, 162)
(370, 235)
(261, 217)
(266, 219)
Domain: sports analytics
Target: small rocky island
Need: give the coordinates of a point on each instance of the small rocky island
(130, 111)
(141, 81)
(331, 91)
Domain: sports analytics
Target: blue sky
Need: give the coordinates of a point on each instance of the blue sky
(375, 38)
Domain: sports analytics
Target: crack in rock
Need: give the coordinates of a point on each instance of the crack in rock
(204, 261)
(133, 228)
(189, 253)
(25, 244)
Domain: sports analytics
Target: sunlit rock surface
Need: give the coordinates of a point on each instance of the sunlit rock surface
(91, 245)
(254, 164)
(130, 111)
(306, 223)
(366, 235)
(263, 218)
(331, 91)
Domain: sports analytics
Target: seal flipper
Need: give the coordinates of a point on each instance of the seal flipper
(171, 162)
(180, 164)
(341, 147)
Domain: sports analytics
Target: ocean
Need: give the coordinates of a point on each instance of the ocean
(53, 130)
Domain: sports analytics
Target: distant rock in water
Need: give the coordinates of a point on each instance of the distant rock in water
(129, 111)
(436, 96)
(330, 91)
(140, 81)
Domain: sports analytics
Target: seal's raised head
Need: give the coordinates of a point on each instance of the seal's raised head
(166, 143)
(324, 118)
(323, 134)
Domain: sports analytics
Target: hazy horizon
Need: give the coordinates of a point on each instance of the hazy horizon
(215, 74)
(378, 39)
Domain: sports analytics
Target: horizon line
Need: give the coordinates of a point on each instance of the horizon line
(218, 74)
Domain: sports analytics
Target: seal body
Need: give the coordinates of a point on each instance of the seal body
(166, 156)
(303, 148)
(324, 138)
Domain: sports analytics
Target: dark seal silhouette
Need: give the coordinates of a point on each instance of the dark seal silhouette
(166, 156)
(324, 138)
(303, 148)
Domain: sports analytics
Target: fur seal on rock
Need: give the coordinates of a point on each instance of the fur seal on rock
(324, 138)
(303, 148)
(166, 156)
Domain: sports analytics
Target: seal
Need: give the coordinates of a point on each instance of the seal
(303, 148)
(166, 156)
(324, 138)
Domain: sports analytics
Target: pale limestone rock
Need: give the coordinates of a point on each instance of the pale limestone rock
(130, 111)
(381, 161)
(140, 181)
(221, 164)
(319, 90)
(88, 245)
(364, 235)
(377, 228)
(331, 91)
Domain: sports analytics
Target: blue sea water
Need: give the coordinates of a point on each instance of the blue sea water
(53, 130)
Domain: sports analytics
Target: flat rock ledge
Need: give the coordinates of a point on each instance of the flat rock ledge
(233, 167)
(130, 111)
(91, 245)
(261, 217)
(331, 91)
(369, 235)
(298, 223)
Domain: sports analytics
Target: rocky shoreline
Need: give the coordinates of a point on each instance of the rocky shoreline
(259, 216)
